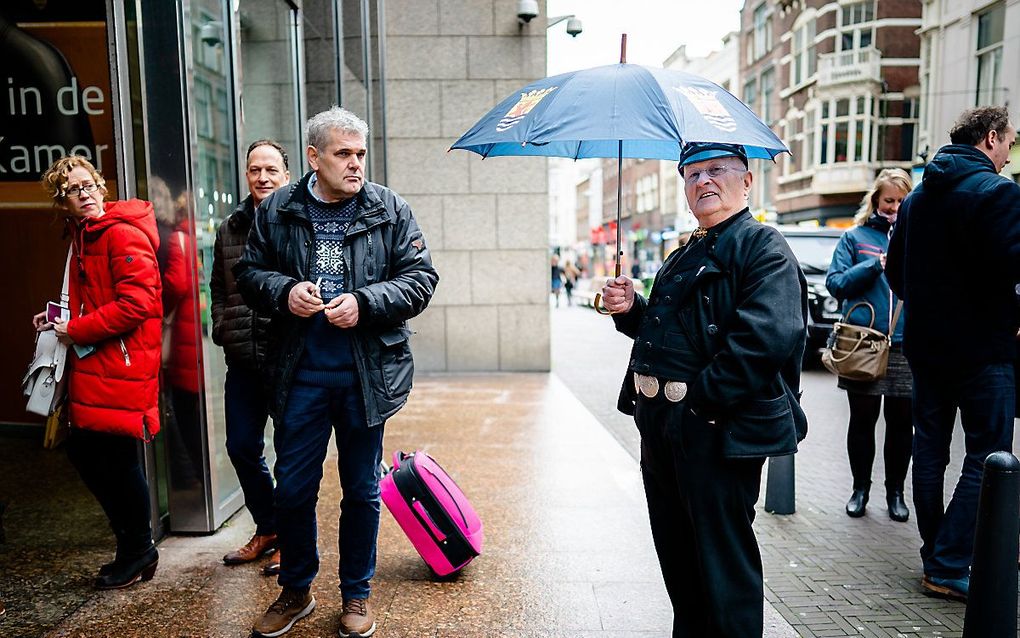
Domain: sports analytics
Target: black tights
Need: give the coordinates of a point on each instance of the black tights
(110, 467)
(860, 439)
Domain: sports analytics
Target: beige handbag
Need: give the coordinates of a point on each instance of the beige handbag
(858, 353)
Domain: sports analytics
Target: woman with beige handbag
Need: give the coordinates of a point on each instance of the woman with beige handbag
(857, 278)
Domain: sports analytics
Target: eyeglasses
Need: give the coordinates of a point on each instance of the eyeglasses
(76, 191)
(715, 171)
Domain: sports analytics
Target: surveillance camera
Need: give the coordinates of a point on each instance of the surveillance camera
(527, 10)
(574, 27)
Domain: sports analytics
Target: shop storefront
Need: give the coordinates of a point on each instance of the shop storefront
(164, 98)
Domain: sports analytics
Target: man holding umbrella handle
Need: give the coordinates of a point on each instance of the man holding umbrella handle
(713, 385)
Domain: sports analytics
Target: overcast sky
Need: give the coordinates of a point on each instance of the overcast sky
(654, 28)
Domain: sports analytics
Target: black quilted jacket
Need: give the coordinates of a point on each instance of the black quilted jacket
(240, 331)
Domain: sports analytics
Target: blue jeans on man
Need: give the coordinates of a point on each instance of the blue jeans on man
(985, 398)
(302, 439)
(247, 411)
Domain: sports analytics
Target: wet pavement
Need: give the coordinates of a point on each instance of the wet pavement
(551, 468)
(567, 550)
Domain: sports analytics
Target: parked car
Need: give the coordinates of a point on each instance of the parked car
(813, 248)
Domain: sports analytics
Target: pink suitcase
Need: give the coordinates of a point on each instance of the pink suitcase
(433, 512)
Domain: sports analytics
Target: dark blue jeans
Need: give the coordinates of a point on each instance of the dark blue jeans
(985, 398)
(302, 437)
(247, 411)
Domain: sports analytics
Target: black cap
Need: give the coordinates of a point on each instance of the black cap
(701, 151)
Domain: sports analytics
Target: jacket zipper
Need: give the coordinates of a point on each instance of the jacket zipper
(124, 350)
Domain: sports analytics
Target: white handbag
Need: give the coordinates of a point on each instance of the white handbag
(44, 383)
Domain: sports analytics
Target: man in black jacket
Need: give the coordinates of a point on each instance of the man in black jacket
(713, 386)
(340, 358)
(244, 335)
(954, 258)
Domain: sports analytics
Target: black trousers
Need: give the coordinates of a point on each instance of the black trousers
(701, 507)
(110, 467)
(860, 439)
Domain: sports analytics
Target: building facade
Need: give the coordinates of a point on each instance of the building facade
(838, 81)
(166, 96)
(970, 56)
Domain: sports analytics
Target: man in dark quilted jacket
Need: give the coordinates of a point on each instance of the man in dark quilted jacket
(243, 334)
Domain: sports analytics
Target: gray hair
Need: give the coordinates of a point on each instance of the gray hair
(336, 118)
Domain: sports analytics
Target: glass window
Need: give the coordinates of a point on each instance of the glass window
(767, 89)
(853, 34)
(809, 139)
(751, 94)
(842, 107)
(823, 154)
(841, 141)
(989, 56)
(762, 31)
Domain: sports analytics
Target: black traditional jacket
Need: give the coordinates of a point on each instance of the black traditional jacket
(736, 331)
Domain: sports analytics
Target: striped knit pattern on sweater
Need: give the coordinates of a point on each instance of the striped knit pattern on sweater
(328, 360)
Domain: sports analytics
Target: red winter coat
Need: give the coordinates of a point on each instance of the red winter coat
(179, 298)
(115, 289)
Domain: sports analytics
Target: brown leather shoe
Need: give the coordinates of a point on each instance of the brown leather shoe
(272, 568)
(290, 607)
(252, 550)
(357, 620)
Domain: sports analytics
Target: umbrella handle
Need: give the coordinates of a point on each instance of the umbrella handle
(599, 308)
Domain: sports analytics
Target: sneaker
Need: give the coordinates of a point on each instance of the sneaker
(290, 607)
(357, 620)
(252, 550)
(951, 588)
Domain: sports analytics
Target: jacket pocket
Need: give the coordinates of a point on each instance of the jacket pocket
(395, 361)
(759, 428)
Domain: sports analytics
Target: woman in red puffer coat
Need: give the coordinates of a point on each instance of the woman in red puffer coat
(114, 338)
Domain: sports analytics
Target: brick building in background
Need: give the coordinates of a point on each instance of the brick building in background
(838, 82)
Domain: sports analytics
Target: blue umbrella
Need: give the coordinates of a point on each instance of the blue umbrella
(629, 109)
(619, 110)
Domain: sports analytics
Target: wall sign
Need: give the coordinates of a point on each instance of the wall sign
(55, 96)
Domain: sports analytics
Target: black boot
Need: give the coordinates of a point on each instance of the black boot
(897, 506)
(857, 503)
(122, 552)
(129, 570)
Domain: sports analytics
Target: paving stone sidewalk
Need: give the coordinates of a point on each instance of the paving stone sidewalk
(827, 574)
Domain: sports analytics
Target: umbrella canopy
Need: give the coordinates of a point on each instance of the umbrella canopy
(618, 110)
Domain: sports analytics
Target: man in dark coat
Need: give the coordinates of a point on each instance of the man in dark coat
(713, 384)
(340, 264)
(954, 259)
(244, 336)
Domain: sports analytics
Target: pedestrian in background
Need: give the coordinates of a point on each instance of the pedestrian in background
(556, 278)
(342, 360)
(713, 385)
(114, 336)
(244, 336)
(954, 259)
(570, 275)
(857, 276)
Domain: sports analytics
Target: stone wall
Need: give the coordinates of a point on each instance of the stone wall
(486, 222)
